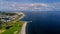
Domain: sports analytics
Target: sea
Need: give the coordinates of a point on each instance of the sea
(42, 22)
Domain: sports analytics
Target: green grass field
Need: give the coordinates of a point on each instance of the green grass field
(15, 29)
(16, 26)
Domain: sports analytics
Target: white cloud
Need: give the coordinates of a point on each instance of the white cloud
(31, 7)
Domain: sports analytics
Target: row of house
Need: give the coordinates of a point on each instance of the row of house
(7, 18)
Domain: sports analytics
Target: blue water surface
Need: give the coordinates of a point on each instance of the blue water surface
(43, 22)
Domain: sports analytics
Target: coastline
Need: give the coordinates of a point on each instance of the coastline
(23, 28)
(19, 18)
(22, 16)
(19, 14)
(16, 24)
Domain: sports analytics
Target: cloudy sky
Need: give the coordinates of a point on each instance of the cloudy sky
(30, 5)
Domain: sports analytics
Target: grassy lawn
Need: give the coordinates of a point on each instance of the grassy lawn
(16, 26)
(15, 29)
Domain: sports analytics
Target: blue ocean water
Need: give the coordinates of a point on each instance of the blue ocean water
(43, 22)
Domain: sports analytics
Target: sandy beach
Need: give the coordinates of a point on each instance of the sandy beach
(23, 29)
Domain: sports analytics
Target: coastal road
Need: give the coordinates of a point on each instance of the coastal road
(19, 17)
(23, 29)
